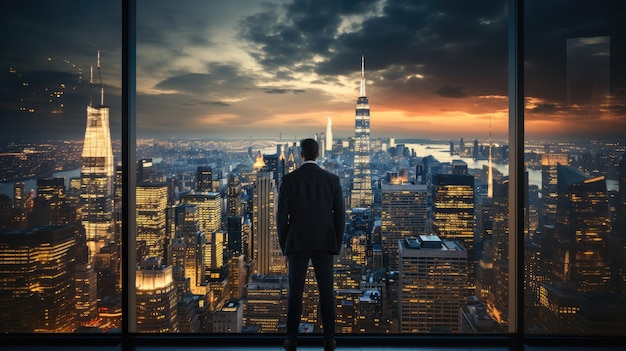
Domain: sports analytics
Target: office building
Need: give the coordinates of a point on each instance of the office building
(266, 302)
(37, 287)
(151, 214)
(187, 251)
(157, 305)
(432, 284)
(204, 179)
(582, 231)
(453, 212)
(209, 215)
(549, 163)
(233, 194)
(404, 209)
(229, 318)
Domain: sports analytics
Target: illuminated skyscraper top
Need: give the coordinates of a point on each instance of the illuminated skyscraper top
(361, 195)
(97, 172)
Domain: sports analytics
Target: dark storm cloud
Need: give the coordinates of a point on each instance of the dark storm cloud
(450, 92)
(223, 78)
(281, 91)
(439, 39)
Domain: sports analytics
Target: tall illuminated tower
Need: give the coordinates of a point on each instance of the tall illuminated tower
(329, 135)
(97, 175)
(361, 195)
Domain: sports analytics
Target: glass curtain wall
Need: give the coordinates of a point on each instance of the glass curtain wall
(575, 142)
(409, 106)
(60, 208)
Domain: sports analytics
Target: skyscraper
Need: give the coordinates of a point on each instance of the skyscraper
(156, 298)
(267, 254)
(187, 250)
(404, 209)
(37, 291)
(453, 212)
(432, 284)
(361, 194)
(549, 163)
(329, 135)
(151, 217)
(582, 231)
(97, 172)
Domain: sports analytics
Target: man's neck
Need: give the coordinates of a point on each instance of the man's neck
(309, 161)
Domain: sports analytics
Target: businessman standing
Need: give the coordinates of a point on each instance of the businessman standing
(310, 222)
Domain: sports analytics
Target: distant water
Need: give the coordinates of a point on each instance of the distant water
(7, 187)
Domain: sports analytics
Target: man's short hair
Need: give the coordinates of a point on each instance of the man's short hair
(309, 149)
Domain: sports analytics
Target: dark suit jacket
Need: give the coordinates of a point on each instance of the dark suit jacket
(310, 216)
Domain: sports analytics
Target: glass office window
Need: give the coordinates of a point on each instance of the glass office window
(60, 112)
(575, 122)
(409, 105)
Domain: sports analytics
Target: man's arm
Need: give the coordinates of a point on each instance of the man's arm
(282, 215)
(338, 211)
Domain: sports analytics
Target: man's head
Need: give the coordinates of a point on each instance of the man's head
(309, 149)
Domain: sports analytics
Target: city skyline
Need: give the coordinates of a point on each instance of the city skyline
(238, 69)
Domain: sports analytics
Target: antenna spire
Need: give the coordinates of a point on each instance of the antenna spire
(100, 81)
(490, 174)
(362, 75)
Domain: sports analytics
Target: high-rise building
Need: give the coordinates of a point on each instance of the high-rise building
(266, 302)
(268, 258)
(37, 288)
(50, 205)
(233, 194)
(404, 209)
(432, 284)
(549, 163)
(582, 231)
(234, 244)
(204, 179)
(453, 213)
(97, 173)
(618, 239)
(329, 135)
(157, 310)
(361, 194)
(229, 318)
(151, 217)
(275, 164)
(187, 251)
(86, 293)
(236, 276)
(209, 209)
(145, 171)
(209, 215)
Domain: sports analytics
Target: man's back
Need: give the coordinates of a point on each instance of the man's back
(310, 211)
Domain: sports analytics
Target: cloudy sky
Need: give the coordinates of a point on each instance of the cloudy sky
(240, 68)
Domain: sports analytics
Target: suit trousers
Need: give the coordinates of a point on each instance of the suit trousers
(323, 266)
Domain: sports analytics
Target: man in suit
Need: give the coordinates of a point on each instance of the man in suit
(310, 223)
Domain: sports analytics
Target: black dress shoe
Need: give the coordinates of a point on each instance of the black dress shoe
(289, 345)
(330, 345)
